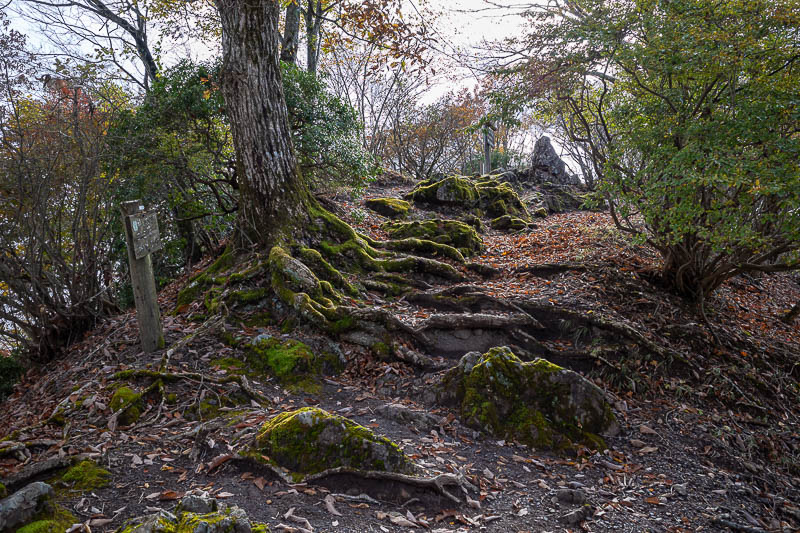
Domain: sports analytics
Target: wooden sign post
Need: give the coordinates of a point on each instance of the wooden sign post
(488, 146)
(141, 233)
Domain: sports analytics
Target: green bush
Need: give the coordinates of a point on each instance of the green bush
(10, 372)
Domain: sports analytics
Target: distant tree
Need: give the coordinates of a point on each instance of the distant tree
(689, 110)
(56, 213)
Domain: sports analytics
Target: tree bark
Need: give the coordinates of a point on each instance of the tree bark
(273, 197)
(313, 16)
(291, 33)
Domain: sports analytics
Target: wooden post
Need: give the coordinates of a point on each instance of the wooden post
(141, 241)
(488, 146)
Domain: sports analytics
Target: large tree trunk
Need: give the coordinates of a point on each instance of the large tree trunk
(273, 197)
(291, 33)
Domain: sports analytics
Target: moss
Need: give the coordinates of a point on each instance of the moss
(310, 440)
(192, 292)
(248, 297)
(507, 222)
(425, 247)
(3, 491)
(540, 212)
(226, 261)
(256, 320)
(342, 325)
(520, 400)
(323, 269)
(381, 350)
(258, 527)
(450, 232)
(389, 207)
(451, 190)
(131, 401)
(57, 418)
(86, 476)
(52, 519)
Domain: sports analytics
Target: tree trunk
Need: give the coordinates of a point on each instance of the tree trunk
(291, 33)
(313, 15)
(272, 196)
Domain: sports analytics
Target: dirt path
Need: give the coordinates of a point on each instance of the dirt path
(687, 459)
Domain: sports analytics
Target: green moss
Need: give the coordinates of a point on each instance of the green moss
(450, 232)
(425, 247)
(226, 261)
(381, 350)
(52, 519)
(523, 401)
(310, 440)
(129, 400)
(57, 418)
(507, 222)
(258, 527)
(451, 190)
(248, 297)
(260, 319)
(86, 476)
(3, 491)
(389, 207)
(192, 292)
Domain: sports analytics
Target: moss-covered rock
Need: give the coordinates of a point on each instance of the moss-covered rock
(450, 232)
(310, 440)
(229, 520)
(388, 207)
(129, 400)
(3, 491)
(290, 361)
(537, 403)
(52, 519)
(508, 223)
(86, 476)
(484, 196)
(454, 190)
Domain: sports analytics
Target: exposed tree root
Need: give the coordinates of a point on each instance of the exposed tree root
(240, 380)
(548, 269)
(35, 470)
(436, 484)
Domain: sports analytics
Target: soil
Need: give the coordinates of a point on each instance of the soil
(708, 442)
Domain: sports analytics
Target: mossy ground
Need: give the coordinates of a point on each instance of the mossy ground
(310, 440)
(85, 476)
(52, 519)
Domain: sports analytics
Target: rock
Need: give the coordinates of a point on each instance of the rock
(421, 420)
(311, 440)
(231, 520)
(388, 207)
(573, 518)
(451, 232)
(537, 403)
(201, 503)
(507, 222)
(481, 196)
(577, 496)
(21, 506)
(552, 168)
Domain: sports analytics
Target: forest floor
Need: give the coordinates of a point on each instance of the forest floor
(708, 444)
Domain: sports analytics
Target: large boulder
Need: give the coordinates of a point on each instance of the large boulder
(537, 403)
(548, 166)
(311, 440)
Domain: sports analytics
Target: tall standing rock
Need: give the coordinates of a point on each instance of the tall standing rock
(548, 167)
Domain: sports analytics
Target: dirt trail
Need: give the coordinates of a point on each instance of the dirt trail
(706, 445)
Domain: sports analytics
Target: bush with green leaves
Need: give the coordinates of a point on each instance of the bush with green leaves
(690, 111)
(326, 133)
(10, 372)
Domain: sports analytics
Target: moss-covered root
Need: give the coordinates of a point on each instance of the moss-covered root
(310, 440)
(453, 233)
(298, 287)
